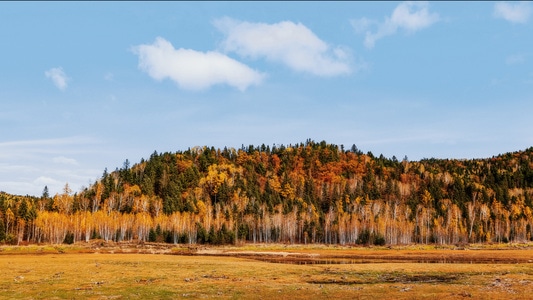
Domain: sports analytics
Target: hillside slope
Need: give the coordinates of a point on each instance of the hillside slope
(305, 193)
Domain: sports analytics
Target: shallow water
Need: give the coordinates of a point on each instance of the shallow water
(347, 261)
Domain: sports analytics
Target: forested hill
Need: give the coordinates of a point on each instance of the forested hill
(305, 193)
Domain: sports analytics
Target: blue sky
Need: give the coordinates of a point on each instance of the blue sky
(86, 85)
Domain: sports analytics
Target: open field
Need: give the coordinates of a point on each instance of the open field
(306, 272)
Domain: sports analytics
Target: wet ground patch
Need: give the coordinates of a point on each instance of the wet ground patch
(390, 278)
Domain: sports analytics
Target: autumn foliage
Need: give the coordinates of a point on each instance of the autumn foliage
(305, 193)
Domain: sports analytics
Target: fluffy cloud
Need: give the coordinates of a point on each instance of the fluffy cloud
(514, 13)
(286, 42)
(408, 16)
(58, 77)
(192, 69)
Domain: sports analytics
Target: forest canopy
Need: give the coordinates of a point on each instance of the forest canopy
(311, 192)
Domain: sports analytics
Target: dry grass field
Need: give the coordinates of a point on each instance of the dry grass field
(264, 272)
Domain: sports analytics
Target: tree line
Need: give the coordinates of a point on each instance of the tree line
(311, 192)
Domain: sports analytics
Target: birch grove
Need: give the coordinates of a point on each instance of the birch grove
(304, 193)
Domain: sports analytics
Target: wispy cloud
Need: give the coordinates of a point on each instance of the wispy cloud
(26, 166)
(49, 142)
(48, 181)
(192, 69)
(65, 160)
(515, 59)
(514, 13)
(407, 16)
(109, 76)
(28, 150)
(58, 77)
(292, 44)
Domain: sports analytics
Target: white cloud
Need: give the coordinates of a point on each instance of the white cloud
(192, 69)
(514, 13)
(44, 180)
(26, 166)
(286, 42)
(408, 16)
(65, 160)
(39, 143)
(361, 25)
(58, 77)
(27, 150)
